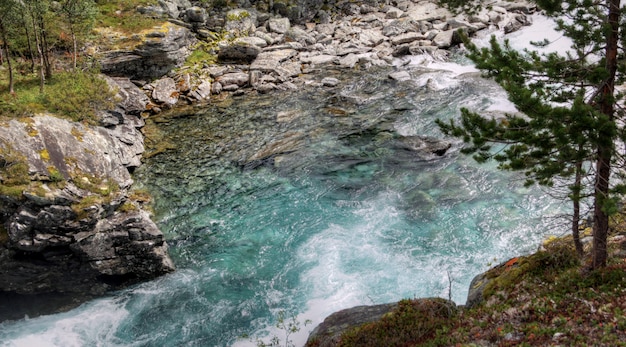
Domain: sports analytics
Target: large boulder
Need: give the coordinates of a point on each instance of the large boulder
(161, 49)
(70, 228)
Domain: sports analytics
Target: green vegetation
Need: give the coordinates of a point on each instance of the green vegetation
(410, 323)
(121, 15)
(72, 95)
(570, 135)
(537, 300)
(13, 171)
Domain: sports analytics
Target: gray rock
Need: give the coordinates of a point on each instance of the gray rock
(330, 82)
(371, 37)
(130, 98)
(394, 13)
(328, 333)
(270, 61)
(513, 22)
(170, 8)
(400, 76)
(445, 39)
(202, 91)
(320, 59)
(165, 91)
(238, 51)
(161, 51)
(195, 14)
(216, 88)
(278, 25)
(252, 40)
(407, 38)
(236, 78)
(428, 11)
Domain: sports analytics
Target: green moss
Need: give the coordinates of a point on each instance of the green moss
(55, 175)
(236, 16)
(97, 185)
(128, 207)
(13, 167)
(410, 323)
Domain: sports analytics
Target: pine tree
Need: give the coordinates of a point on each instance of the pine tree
(571, 125)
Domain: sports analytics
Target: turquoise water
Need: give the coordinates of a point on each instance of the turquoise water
(308, 202)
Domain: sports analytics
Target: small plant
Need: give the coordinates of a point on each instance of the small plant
(289, 325)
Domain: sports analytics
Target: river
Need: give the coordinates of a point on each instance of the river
(302, 203)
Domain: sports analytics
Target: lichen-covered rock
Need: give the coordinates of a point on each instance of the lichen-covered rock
(68, 229)
(328, 333)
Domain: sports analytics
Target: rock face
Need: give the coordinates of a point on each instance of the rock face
(328, 333)
(161, 49)
(70, 227)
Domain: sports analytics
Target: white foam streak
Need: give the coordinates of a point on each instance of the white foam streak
(76, 328)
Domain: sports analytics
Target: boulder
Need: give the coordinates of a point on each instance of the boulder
(238, 52)
(160, 50)
(278, 25)
(195, 14)
(328, 333)
(202, 91)
(165, 91)
(67, 239)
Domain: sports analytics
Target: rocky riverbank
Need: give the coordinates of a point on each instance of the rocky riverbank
(261, 52)
(73, 228)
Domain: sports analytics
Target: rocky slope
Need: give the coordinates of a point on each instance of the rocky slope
(71, 227)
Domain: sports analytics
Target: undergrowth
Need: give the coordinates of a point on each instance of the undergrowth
(72, 95)
(549, 298)
(122, 16)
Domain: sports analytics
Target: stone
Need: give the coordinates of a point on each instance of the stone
(165, 91)
(407, 38)
(130, 98)
(428, 11)
(400, 76)
(393, 13)
(444, 39)
(270, 61)
(195, 14)
(513, 22)
(278, 25)
(237, 51)
(328, 333)
(252, 40)
(371, 37)
(320, 59)
(161, 50)
(236, 78)
(330, 82)
(202, 91)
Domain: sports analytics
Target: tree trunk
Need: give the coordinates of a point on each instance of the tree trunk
(30, 46)
(5, 45)
(42, 76)
(576, 201)
(605, 144)
(44, 47)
